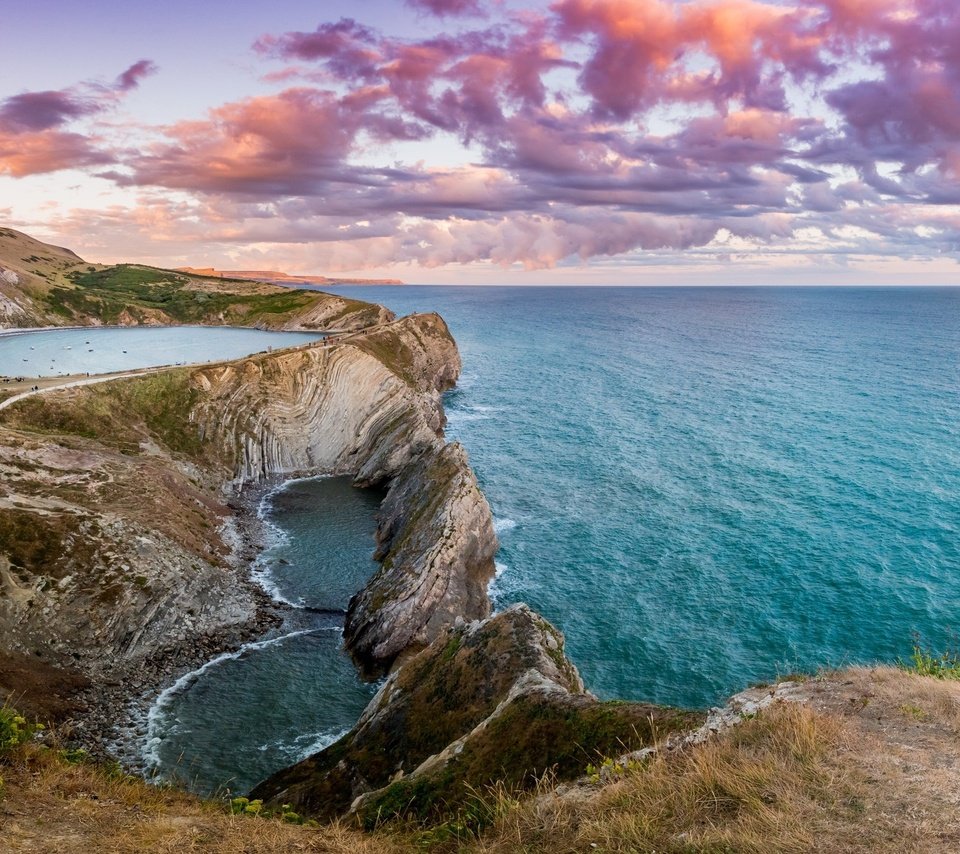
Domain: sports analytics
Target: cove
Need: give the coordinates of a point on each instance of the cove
(246, 714)
(52, 353)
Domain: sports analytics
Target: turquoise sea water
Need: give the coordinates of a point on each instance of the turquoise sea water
(705, 487)
(100, 351)
(701, 487)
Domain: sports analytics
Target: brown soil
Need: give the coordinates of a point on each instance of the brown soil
(38, 690)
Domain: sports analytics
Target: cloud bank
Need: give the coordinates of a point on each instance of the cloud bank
(589, 129)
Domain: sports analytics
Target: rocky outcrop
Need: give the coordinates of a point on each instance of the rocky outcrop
(106, 557)
(337, 314)
(435, 544)
(370, 407)
(486, 701)
(337, 409)
(112, 495)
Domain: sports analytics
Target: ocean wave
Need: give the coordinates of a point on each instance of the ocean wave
(493, 588)
(469, 412)
(503, 525)
(159, 716)
(306, 744)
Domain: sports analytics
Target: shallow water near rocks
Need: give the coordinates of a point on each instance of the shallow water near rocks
(245, 715)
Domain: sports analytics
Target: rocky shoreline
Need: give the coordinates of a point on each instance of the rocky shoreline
(167, 583)
(134, 689)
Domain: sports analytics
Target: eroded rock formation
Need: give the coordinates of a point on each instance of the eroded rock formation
(114, 518)
(487, 701)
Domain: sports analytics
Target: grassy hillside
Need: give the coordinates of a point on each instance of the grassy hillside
(44, 285)
(861, 761)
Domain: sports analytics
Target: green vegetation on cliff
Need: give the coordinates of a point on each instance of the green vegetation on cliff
(120, 414)
(133, 293)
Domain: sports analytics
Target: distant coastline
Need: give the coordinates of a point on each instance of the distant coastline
(275, 277)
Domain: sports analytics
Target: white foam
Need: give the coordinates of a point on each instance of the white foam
(502, 525)
(493, 588)
(306, 744)
(159, 713)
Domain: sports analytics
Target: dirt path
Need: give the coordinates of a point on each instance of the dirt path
(45, 384)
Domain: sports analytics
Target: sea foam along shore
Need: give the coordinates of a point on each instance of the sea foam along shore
(125, 737)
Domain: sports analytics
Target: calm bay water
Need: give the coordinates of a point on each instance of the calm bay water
(100, 351)
(245, 715)
(700, 487)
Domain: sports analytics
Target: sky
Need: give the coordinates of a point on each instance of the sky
(492, 141)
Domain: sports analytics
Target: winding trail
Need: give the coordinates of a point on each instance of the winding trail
(99, 378)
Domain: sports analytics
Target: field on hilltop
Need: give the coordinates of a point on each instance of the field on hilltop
(45, 285)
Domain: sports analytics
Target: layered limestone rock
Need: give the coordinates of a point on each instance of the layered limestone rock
(337, 409)
(337, 313)
(111, 501)
(370, 407)
(436, 545)
(492, 700)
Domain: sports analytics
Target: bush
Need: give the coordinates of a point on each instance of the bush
(942, 665)
(14, 729)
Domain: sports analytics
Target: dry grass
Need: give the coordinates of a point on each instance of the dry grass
(869, 761)
(765, 780)
(61, 808)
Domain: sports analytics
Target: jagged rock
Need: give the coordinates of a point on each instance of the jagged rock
(486, 701)
(436, 545)
(118, 550)
(356, 408)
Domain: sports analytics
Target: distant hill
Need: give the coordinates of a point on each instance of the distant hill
(29, 270)
(44, 285)
(283, 278)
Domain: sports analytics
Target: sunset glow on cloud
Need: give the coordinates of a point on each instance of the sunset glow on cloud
(471, 140)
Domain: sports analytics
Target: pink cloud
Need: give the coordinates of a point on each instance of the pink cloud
(31, 137)
(596, 127)
(281, 144)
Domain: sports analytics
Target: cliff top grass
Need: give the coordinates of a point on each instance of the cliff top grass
(119, 414)
(870, 762)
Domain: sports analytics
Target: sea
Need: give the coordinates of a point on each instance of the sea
(703, 488)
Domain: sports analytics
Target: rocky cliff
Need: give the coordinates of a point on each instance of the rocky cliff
(115, 525)
(435, 544)
(488, 701)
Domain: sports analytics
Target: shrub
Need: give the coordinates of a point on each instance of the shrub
(14, 729)
(923, 660)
